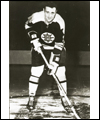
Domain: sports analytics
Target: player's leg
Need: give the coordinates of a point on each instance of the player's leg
(36, 72)
(61, 75)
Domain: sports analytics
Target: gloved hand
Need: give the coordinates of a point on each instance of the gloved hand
(52, 68)
(36, 45)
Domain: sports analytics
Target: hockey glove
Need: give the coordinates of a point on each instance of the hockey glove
(36, 45)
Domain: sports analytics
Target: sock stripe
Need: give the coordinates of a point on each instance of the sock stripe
(33, 82)
(34, 76)
(63, 81)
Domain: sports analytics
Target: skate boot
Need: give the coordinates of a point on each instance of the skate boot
(30, 104)
(64, 103)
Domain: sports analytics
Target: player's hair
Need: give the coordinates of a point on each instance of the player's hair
(49, 4)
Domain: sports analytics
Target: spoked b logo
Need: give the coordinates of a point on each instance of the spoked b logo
(47, 37)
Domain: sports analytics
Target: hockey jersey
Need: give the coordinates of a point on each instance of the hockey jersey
(48, 35)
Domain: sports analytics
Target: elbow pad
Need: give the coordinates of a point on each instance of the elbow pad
(32, 35)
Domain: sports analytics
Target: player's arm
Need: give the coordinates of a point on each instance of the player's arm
(32, 33)
(58, 47)
(55, 56)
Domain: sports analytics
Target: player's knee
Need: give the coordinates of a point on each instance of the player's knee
(33, 80)
(37, 71)
(33, 84)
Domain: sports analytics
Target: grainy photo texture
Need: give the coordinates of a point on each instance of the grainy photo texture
(49, 50)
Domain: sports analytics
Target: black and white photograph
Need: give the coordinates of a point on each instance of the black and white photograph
(49, 60)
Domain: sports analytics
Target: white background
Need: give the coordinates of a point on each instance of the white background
(94, 60)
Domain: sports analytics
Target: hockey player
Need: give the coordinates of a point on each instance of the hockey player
(47, 29)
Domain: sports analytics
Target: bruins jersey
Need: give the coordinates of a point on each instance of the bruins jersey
(48, 34)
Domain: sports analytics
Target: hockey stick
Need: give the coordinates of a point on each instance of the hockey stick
(60, 86)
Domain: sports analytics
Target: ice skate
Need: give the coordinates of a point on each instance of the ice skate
(64, 103)
(30, 104)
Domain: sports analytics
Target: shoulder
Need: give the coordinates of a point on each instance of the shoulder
(60, 21)
(58, 17)
(37, 17)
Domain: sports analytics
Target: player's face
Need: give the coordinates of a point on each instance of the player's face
(49, 14)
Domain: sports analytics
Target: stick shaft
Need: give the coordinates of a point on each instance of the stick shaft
(60, 86)
(64, 93)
